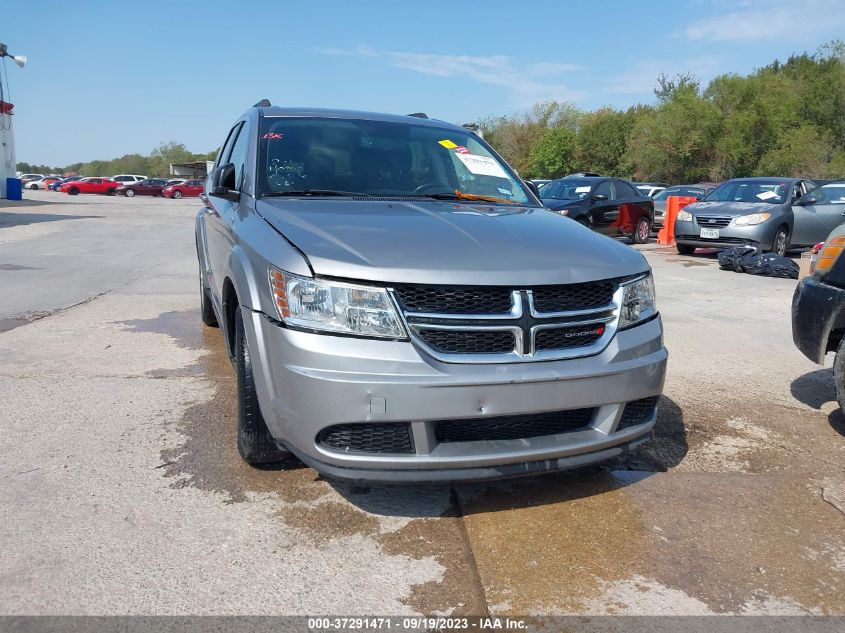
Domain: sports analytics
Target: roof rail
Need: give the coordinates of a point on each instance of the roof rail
(264, 103)
(419, 115)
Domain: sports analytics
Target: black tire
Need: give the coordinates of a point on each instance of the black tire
(177, 194)
(206, 308)
(34, 187)
(839, 374)
(255, 444)
(110, 192)
(642, 231)
(73, 191)
(685, 249)
(780, 245)
(129, 193)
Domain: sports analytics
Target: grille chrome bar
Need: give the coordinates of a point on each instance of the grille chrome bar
(524, 322)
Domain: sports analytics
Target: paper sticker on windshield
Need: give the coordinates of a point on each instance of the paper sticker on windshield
(767, 195)
(447, 143)
(504, 192)
(482, 165)
(582, 190)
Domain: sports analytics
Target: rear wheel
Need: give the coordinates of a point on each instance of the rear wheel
(255, 444)
(177, 194)
(206, 309)
(642, 231)
(129, 193)
(685, 249)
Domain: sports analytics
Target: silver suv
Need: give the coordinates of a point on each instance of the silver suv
(399, 305)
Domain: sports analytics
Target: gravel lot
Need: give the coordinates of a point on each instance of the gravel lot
(121, 491)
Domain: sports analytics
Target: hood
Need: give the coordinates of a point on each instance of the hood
(446, 243)
(731, 209)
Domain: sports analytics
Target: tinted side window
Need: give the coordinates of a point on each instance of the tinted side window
(238, 154)
(624, 190)
(604, 188)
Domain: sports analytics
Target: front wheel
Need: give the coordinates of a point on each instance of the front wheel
(177, 194)
(129, 193)
(34, 187)
(74, 191)
(110, 192)
(781, 242)
(255, 444)
(642, 232)
(685, 249)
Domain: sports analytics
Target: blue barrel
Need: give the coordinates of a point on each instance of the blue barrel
(13, 189)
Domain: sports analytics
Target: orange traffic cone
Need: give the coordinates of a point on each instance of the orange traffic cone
(666, 235)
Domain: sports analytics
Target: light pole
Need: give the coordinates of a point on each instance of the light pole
(7, 138)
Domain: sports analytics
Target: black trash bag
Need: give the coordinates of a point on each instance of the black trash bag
(770, 265)
(731, 258)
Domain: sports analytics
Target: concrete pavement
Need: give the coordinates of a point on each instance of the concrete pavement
(121, 490)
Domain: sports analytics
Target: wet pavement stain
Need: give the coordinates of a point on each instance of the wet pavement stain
(727, 541)
(460, 592)
(320, 511)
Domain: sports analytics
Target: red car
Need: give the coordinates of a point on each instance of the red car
(89, 185)
(147, 187)
(187, 189)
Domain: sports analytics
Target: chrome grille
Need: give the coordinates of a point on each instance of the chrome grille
(713, 221)
(486, 324)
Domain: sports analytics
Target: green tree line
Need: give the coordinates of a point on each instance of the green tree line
(157, 163)
(786, 119)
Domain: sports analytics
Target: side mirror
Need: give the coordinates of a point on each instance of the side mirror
(599, 197)
(223, 183)
(534, 188)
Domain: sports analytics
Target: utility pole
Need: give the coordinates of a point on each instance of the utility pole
(7, 137)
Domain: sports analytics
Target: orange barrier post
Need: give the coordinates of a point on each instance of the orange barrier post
(666, 235)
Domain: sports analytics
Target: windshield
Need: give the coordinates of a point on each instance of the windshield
(379, 158)
(679, 191)
(567, 189)
(765, 191)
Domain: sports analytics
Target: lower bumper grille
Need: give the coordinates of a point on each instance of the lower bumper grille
(513, 427)
(715, 240)
(637, 412)
(387, 437)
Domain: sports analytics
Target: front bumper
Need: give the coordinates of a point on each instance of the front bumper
(689, 233)
(308, 382)
(816, 311)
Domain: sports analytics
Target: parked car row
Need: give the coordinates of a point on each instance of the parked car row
(123, 184)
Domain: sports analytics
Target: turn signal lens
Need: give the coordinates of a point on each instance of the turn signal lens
(277, 284)
(830, 253)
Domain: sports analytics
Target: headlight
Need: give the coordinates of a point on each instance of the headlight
(563, 211)
(334, 306)
(638, 302)
(750, 220)
(684, 216)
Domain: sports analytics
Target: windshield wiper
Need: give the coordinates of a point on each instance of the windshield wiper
(314, 192)
(460, 195)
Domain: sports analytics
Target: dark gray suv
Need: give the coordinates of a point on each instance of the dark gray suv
(399, 305)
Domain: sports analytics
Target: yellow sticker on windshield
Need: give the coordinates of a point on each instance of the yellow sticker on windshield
(447, 143)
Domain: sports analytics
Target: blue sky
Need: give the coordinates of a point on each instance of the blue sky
(102, 82)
